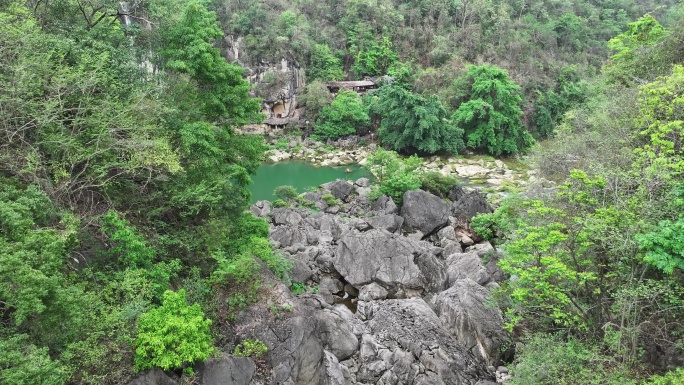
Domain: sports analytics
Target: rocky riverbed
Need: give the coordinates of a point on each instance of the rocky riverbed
(387, 296)
(495, 178)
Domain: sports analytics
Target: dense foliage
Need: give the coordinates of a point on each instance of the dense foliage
(413, 123)
(122, 176)
(598, 264)
(490, 112)
(346, 115)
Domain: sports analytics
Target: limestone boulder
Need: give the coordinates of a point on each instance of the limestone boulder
(465, 312)
(424, 212)
(389, 260)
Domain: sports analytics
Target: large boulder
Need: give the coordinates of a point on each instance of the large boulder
(385, 205)
(470, 205)
(261, 208)
(340, 189)
(390, 260)
(226, 371)
(389, 222)
(408, 344)
(455, 193)
(284, 216)
(295, 351)
(464, 310)
(466, 265)
(424, 212)
(336, 333)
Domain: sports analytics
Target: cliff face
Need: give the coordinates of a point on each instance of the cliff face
(276, 82)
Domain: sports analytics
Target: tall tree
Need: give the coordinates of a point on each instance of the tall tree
(411, 123)
(491, 115)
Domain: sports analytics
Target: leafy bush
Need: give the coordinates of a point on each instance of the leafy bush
(491, 114)
(23, 363)
(280, 203)
(173, 335)
(330, 200)
(285, 192)
(437, 183)
(393, 175)
(344, 116)
(250, 348)
(298, 288)
(412, 123)
(675, 377)
(549, 360)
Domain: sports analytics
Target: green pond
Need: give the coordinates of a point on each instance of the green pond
(300, 175)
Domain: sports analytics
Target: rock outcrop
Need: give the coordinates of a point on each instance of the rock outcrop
(389, 260)
(424, 212)
(399, 299)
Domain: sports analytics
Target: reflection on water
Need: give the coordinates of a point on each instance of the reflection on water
(302, 176)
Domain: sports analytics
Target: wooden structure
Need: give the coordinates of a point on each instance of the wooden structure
(360, 86)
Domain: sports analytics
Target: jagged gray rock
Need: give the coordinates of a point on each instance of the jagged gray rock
(340, 189)
(424, 212)
(384, 258)
(336, 334)
(228, 370)
(363, 182)
(385, 205)
(389, 222)
(455, 193)
(466, 265)
(285, 216)
(261, 208)
(295, 352)
(470, 205)
(464, 311)
(408, 344)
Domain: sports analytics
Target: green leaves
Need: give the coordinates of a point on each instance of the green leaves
(664, 246)
(629, 63)
(491, 116)
(411, 122)
(173, 335)
(324, 66)
(344, 116)
(394, 175)
(662, 119)
(22, 363)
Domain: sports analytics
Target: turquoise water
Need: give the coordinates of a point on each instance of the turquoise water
(300, 175)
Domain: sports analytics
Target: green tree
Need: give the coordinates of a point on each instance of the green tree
(661, 119)
(346, 115)
(324, 65)
(373, 58)
(491, 114)
(412, 123)
(173, 335)
(394, 176)
(316, 97)
(633, 61)
(551, 105)
(22, 363)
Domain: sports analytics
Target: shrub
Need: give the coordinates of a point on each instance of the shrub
(675, 377)
(344, 116)
(437, 183)
(491, 115)
(330, 200)
(285, 192)
(173, 335)
(250, 348)
(393, 175)
(547, 359)
(280, 203)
